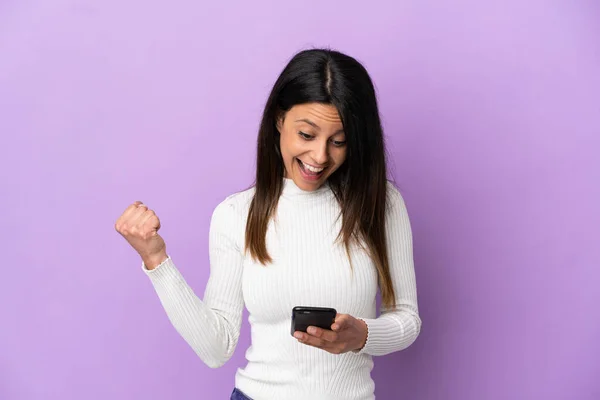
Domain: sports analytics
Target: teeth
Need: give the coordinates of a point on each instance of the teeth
(311, 168)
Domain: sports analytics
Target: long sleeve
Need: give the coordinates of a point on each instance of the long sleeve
(210, 326)
(397, 329)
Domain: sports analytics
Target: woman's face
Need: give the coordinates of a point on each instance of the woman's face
(313, 144)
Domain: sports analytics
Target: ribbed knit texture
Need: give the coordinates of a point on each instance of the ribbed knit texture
(308, 269)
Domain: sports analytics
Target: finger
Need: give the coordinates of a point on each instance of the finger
(310, 340)
(132, 207)
(152, 224)
(133, 211)
(330, 347)
(321, 333)
(125, 220)
(128, 211)
(148, 223)
(340, 323)
(138, 217)
(144, 220)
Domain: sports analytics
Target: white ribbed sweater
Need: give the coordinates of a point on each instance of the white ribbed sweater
(308, 269)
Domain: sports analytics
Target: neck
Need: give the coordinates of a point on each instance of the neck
(291, 190)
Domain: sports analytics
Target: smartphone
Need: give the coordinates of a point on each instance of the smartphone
(304, 316)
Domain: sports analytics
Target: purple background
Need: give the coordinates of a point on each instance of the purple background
(492, 112)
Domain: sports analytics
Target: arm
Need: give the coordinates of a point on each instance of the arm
(210, 326)
(397, 329)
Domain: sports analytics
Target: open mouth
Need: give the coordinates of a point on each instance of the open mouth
(310, 172)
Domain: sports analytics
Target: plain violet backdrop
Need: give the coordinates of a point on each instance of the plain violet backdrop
(492, 115)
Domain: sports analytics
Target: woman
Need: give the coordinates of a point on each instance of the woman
(321, 227)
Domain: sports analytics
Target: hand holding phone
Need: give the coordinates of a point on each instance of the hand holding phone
(304, 316)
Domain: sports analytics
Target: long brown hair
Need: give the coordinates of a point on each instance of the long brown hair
(359, 185)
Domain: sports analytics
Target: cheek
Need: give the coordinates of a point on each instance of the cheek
(290, 145)
(339, 156)
(284, 145)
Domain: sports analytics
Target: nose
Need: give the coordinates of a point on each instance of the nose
(320, 152)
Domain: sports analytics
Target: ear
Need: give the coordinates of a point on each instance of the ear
(279, 120)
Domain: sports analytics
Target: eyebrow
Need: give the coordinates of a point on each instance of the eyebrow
(309, 122)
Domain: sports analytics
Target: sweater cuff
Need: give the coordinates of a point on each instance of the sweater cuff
(360, 351)
(379, 336)
(160, 269)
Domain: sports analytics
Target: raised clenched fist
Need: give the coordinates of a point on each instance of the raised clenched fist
(139, 226)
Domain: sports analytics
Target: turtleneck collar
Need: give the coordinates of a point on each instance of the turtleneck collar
(291, 190)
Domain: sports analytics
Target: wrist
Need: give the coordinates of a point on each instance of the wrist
(364, 329)
(154, 260)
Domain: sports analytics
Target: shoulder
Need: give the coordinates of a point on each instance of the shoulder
(396, 210)
(394, 197)
(234, 207)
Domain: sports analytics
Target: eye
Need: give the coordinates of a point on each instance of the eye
(305, 136)
(339, 143)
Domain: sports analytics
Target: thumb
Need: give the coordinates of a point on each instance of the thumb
(340, 323)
